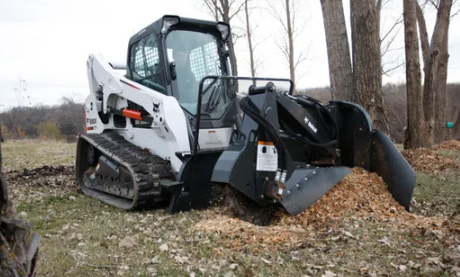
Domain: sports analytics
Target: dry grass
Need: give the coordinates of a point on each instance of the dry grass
(82, 237)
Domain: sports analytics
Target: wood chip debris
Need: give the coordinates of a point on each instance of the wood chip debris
(429, 161)
(361, 195)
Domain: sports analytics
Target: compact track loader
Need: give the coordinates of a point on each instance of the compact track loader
(175, 124)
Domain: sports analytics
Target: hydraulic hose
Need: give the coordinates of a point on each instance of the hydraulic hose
(254, 114)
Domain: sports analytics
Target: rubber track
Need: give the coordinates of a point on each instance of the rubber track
(147, 169)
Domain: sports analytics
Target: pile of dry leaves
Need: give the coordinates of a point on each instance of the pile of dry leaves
(452, 145)
(428, 161)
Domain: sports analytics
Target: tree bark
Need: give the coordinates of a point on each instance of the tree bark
(291, 43)
(415, 133)
(338, 50)
(423, 34)
(436, 73)
(367, 68)
(225, 5)
(222, 8)
(249, 36)
(440, 43)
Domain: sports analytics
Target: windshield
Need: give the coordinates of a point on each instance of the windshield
(196, 55)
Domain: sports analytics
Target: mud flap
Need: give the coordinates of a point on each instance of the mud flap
(394, 169)
(306, 186)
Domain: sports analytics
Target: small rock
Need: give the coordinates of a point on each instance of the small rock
(23, 214)
(192, 274)
(80, 244)
(402, 268)
(164, 247)
(233, 266)
(72, 198)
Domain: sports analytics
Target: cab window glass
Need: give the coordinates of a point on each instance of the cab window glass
(145, 63)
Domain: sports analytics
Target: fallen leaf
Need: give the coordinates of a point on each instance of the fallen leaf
(266, 261)
(348, 234)
(164, 247)
(179, 259)
(385, 241)
(329, 274)
(155, 260)
(128, 242)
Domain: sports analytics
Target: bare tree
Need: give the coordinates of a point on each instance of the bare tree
(338, 50)
(367, 70)
(415, 133)
(291, 30)
(226, 10)
(249, 37)
(435, 60)
(20, 88)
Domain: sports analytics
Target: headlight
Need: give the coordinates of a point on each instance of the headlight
(169, 21)
(224, 29)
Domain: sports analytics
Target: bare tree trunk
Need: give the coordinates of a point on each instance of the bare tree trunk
(367, 68)
(423, 34)
(415, 134)
(231, 46)
(249, 36)
(441, 32)
(223, 8)
(338, 50)
(291, 43)
(436, 72)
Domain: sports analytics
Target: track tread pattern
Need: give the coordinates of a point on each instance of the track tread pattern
(149, 170)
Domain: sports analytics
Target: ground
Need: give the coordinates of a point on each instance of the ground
(83, 237)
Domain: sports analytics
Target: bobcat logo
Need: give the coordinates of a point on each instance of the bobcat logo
(156, 107)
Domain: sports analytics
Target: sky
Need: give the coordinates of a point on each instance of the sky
(46, 42)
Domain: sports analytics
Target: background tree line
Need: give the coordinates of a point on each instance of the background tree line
(62, 121)
(66, 120)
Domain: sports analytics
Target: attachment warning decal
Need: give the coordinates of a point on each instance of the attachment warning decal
(267, 157)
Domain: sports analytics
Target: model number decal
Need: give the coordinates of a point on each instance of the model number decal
(91, 121)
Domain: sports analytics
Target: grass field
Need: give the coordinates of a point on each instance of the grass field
(82, 237)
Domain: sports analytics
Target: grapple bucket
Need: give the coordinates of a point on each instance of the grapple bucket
(355, 143)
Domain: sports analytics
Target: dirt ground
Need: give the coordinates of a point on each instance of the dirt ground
(356, 229)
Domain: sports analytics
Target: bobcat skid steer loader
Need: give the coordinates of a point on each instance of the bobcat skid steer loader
(175, 124)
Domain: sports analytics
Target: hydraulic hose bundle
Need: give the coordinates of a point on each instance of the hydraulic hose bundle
(254, 114)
